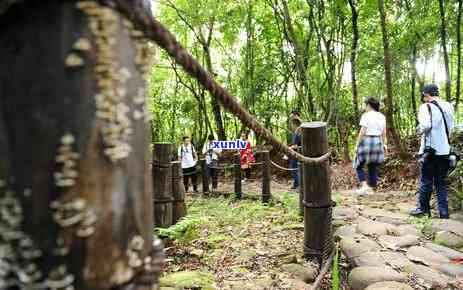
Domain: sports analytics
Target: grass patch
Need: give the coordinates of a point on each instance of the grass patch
(422, 223)
(221, 217)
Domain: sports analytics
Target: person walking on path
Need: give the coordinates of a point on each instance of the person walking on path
(371, 145)
(246, 157)
(435, 118)
(187, 155)
(212, 159)
(295, 144)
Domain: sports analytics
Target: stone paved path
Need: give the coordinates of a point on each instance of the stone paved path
(386, 249)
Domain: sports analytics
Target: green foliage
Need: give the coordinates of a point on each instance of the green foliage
(335, 276)
(423, 223)
(249, 48)
(184, 231)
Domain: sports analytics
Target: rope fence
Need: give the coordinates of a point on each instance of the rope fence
(282, 168)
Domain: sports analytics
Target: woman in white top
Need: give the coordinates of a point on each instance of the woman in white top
(371, 145)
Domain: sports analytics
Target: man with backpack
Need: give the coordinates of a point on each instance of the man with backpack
(435, 124)
(187, 155)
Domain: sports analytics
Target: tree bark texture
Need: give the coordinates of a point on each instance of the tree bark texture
(75, 188)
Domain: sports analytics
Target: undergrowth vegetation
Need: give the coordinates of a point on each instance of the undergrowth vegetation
(219, 219)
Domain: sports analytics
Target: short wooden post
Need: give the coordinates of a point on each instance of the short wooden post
(162, 185)
(178, 192)
(266, 178)
(318, 239)
(238, 192)
(204, 175)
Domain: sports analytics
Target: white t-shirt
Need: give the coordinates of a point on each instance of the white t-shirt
(435, 135)
(374, 122)
(186, 153)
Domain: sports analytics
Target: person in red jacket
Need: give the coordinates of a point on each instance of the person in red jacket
(246, 157)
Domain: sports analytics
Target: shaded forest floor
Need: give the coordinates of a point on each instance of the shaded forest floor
(241, 244)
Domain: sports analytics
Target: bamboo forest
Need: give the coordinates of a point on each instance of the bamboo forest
(235, 145)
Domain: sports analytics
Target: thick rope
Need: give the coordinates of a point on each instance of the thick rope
(155, 31)
(326, 267)
(283, 168)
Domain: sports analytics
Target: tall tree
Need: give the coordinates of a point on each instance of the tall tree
(205, 40)
(458, 33)
(353, 55)
(300, 51)
(443, 37)
(388, 81)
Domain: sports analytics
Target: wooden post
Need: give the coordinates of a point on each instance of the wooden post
(318, 239)
(162, 185)
(75, 187)
(204, 175)
(301, 186)
(178, 192)
(238, 192)
(264, 157)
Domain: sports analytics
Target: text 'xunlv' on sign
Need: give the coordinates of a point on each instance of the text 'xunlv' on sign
(233, 144)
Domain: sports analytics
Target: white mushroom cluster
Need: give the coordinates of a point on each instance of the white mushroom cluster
(75, 213)
(15, 246)
(111, 110)
(134, 251)
(67, 160)
(59, 279)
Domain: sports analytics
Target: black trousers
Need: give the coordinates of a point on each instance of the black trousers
(213, 175)
(247, 173)
(190, 173)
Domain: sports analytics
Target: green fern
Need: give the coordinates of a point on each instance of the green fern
(335, 284)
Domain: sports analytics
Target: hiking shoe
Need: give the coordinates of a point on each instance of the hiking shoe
(418, 212)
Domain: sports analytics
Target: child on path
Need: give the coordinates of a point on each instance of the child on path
(246, 157)
(212, 158)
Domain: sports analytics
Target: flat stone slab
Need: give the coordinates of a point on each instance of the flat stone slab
(385, 216)
(458, 216)
(369, 259)
(344, 213)
(448, 239)
(447, 225)
(395, 259)
(346, 231)
(404, 207)
(304, 273)
(402, 230)
(362, 277)
(452, 270)
(445, 251)
(389, 285)
(430, 276)
(426, 256)
(373, 228)
(381, 259)
(355, 246)
(395, 243)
